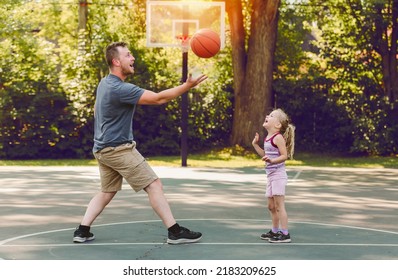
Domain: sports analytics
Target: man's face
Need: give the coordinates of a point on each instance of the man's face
(126, 61)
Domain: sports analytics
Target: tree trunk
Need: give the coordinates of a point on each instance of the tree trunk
(386, 45)
(393, 53)
(239, 57)
(82, 28)
(83, 12)
(253, 73)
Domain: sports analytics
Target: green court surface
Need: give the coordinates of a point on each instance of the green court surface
(334, 214)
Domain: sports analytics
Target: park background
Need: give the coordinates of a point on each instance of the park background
(330, 64)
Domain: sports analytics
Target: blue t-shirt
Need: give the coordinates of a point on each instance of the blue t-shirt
(114, 110)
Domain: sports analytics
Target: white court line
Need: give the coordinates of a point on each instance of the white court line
(205, 243)
(4, 242)
(297, 175)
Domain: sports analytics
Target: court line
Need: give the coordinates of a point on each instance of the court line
(297, 175)
(4, 242)
(255, 220)
(265, 243)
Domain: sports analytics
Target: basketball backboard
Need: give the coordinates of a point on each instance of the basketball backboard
(172, 23)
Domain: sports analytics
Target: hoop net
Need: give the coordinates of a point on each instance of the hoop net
(184, 42)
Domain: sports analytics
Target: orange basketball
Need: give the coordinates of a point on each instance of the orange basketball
(205, 43)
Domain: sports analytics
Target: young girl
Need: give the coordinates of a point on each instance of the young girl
(278, 147)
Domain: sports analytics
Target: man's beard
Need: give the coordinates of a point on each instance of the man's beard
(127, 72)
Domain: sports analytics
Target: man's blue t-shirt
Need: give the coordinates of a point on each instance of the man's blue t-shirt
(114, 110)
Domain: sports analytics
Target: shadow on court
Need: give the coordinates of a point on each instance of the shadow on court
(334, 214)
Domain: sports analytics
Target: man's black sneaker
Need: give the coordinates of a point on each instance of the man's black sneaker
(268, 235)
(80, 236)
(281, 238)
(184, 236)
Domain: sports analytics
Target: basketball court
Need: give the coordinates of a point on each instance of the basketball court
(334, 214)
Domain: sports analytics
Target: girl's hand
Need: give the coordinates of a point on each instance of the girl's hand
(255, 139)
(266, 159)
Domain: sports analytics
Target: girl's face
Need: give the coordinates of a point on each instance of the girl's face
(272, 121)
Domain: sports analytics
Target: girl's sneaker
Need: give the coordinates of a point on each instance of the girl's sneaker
(281, 238)
(268, 235)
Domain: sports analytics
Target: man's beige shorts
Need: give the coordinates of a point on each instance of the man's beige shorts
(124, 161)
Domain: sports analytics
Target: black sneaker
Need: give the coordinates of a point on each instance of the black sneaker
(268, 235)
(281, 238)
(80, 236)
(184, 236)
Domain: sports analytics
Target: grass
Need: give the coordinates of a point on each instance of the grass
(322, 160)
(228, 160)
(49, 162)
(234, 157)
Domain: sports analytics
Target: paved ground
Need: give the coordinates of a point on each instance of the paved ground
(334, 214)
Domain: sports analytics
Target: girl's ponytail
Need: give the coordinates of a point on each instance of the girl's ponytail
(287, 130)
(289, 138)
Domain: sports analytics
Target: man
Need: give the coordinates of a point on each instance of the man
(114, 146)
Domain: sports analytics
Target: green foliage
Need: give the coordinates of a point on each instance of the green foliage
(328, 78)
(356, 69)
(301, 87)
(321, 125)
(211, 104)
(32, 115)
(157, 129)
(52, 70)
(332, 85)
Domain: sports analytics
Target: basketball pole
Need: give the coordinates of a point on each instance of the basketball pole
(184, 99)
(184, 113)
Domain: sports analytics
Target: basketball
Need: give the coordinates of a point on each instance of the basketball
(205, 43)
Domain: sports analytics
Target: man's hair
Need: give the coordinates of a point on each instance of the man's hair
(112, 52)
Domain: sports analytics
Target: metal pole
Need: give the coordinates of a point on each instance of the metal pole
(184, 98)
(184, 113)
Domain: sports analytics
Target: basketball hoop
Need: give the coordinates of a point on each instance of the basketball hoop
(184, 42)
(168, 25)
(167, 21)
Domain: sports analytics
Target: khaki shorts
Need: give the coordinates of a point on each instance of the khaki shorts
(124, 161)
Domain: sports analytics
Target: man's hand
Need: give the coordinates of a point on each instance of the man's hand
(192, 82)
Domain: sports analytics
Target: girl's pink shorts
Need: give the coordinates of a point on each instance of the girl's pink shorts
(277, 180)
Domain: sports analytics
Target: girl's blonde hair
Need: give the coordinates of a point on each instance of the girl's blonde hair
(287, 130)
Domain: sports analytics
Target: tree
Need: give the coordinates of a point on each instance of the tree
(253, 48)
(34, 114)
(382, 16)
(377, 22)
(358, 49)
